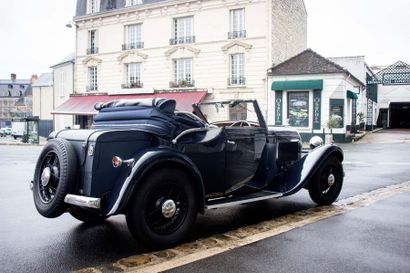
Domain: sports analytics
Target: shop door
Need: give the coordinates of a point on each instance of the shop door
(400, 115)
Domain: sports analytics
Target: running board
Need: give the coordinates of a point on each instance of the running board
(249, 198)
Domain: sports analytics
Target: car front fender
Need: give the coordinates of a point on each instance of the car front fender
(299, 174)
(147, 161)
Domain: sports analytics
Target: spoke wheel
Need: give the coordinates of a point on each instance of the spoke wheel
(54, 177)
(164, 208)
(327, 183)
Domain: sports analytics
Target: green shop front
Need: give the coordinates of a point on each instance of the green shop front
(315, 96)
(303, 104)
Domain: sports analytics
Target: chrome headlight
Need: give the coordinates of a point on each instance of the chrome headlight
(315, 141)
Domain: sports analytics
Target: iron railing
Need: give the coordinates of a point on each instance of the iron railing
(237, 34)
(182, 40)
(92, 87)
(136, 84)
(239, 80)
(135, 45)
(92, 50)
(182, 83)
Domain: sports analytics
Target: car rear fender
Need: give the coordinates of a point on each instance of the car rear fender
(299, 174)
(148, 161)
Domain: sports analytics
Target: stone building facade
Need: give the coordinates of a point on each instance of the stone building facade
(223, 47)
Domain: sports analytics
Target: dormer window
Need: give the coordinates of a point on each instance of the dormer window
(133, 2)
(93, 6)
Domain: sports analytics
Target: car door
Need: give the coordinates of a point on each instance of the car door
(243, 151)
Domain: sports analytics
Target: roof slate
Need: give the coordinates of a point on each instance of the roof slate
(398, 67)
(45, 79)
(308, 62)
(68, 58)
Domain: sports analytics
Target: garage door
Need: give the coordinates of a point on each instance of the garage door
(400, 115)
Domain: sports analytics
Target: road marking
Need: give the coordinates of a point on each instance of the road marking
(159, 261)
(367, 163)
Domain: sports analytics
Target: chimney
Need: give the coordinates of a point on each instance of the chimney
(13, 76)
(34, 77)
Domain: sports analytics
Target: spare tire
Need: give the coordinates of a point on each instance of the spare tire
(54, 177)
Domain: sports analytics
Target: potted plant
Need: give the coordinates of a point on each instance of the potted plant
(360, 117)
(333, 122)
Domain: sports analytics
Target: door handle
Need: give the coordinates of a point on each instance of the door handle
(230, 142)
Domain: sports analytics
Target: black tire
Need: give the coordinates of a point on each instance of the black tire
(321, 189)
(59, 157)
(146, 218)
(86, 215)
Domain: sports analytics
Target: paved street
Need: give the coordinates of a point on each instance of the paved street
(31, 243)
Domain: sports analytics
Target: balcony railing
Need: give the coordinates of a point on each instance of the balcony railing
(128, 85)
(182, 83)
(92, 87)
(237, 34)
(132, 45)
(92, 50)
(182, 40)
(239, 80)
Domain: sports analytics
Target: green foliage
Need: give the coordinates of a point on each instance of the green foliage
(333, 122)
(360, 116)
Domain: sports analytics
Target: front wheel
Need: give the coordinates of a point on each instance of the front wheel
(164, 208)
(327, 183)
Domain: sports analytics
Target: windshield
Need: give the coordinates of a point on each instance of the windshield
(225, 113)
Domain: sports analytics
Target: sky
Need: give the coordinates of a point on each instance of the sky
(33, 34)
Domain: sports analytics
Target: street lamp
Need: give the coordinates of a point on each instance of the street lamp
(70, 24)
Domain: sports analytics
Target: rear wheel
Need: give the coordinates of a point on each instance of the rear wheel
(327, 183)
(164, 209)
(54, 177)
(86, 215)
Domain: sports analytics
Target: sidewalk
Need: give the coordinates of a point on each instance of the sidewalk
(11, 141)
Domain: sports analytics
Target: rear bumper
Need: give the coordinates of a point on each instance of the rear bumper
(83, 201)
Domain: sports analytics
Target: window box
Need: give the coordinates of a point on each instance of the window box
(129, 85)
(237, 34)
(236, 81)
(182, 40)
(92, 50)
(181, 83)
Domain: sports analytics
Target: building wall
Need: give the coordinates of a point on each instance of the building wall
(288, 29)
(63, 77)
(274, 35)
(43, 102)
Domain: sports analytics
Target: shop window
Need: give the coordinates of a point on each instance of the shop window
(336, 110)
(298, 109)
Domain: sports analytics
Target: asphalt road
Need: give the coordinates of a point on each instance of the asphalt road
(31, 243)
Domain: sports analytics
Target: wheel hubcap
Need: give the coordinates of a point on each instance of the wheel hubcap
(330, 180)
(45, 176)
(168, 208)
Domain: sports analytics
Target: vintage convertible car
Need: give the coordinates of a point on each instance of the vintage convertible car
(160, 167)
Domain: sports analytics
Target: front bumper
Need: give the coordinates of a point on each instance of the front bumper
(83, 201)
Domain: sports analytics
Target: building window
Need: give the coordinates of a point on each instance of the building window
(133, 2)
(92, 79)
(133, 76)
(237, 70)
(133, 37)
(182, 73)
(298, 109)
(238, 112)
(93, 6)
(336, 111)
(92, 42)
(183, 31)
(237, 24)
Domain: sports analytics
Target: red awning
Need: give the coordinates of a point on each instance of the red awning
(84, 105)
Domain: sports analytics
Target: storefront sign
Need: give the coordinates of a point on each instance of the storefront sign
(316, 109)
(278, 107)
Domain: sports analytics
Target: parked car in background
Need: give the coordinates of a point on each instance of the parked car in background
(18, 128)
(161, 167)
(5, 132)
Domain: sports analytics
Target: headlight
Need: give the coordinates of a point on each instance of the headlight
(315, 142)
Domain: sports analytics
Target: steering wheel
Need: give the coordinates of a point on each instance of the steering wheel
(241, 123)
